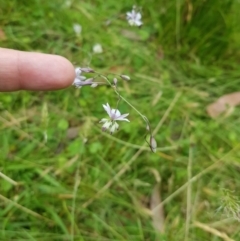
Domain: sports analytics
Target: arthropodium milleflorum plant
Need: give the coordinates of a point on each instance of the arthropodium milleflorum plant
(114, 115)
(230, 204)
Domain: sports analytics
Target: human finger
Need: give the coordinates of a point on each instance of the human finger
(34, 71)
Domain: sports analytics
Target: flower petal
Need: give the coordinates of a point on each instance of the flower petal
(115, 114)
(103, 120)
(106, 125)
(122, 118)
(78, 71)
(124, 115)
(107, 108)
(138, 16)
(129, 15)
(138, 22)
(114, 127)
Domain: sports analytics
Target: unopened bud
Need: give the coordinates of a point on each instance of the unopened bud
(94, 85)
(147, 127)
(87, 70)
(125, 77)
(78, 71)
(115, 81)
(153, 144)
(88, 81)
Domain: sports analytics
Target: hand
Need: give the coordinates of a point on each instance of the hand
(33, 71)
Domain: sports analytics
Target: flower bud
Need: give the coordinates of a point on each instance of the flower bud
(147, 127)
(78, 71)
(115, 81)
(88, 81)
(93, 85)
(153, 144)
(125, 77)
(87, 70)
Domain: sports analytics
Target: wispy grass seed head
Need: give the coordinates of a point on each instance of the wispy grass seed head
(230, 205)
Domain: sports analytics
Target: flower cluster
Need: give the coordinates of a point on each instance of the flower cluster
(81, 80)
(110, 123)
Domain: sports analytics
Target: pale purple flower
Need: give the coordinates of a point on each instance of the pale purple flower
(111, 124)
(79, 79)
(134, 17)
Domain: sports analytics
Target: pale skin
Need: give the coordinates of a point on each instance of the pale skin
(21, 70)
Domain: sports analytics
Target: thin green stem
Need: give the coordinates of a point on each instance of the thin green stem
(122, 98)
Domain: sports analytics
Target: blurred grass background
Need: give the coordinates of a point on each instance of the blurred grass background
(184, 57)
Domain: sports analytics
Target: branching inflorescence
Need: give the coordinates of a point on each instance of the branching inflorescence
(110, 123)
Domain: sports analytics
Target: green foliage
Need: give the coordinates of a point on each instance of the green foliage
(51, 143)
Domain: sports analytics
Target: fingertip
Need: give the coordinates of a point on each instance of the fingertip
(64, 73)
(45, 71)
(21, 70)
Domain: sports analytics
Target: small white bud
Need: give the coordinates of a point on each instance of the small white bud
(78, 71)
(87, 70)
(88, 81)
(94, 85)
(147, 127)
(125, 77)
(153, 144)
(115, 81)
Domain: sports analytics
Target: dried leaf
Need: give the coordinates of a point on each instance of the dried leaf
(130, 35)
(213, 231)
(224, 103)
(72, 132)
(158, 213)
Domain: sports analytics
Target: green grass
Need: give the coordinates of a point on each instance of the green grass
(184, 57)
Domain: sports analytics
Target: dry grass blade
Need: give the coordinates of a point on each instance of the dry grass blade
(213, 231)
(189, 194)
(8, 179)
(22, 133)
(14, 122)
(75, 190)
(66, 165)
(196, 177)
(26, 210)
(157, 215)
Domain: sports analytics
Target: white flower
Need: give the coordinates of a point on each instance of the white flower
(77, 28)
(114, 116)
(134, 18)
(97, 49)
(79, 79)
